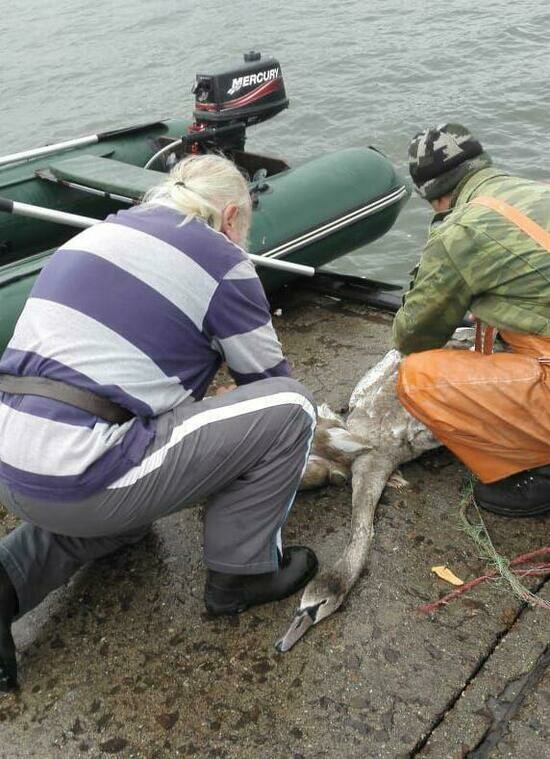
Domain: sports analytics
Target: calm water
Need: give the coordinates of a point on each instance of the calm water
(357, 72)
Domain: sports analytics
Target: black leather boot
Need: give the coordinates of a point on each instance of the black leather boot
(232, 594)
(8, 612)
(526, 494)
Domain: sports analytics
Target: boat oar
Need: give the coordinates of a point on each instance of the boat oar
(46, 214)
(79, 142)
(73, 220)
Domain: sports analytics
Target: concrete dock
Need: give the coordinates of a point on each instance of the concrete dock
(125, 662)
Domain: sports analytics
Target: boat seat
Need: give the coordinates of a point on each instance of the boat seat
(106, 174)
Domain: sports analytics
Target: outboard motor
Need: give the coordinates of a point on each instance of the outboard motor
(229, 101)
(226, 103)
(250, 93)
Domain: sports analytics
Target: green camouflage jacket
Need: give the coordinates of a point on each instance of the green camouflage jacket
(475, 260)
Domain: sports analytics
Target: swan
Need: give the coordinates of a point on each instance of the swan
(378, 436)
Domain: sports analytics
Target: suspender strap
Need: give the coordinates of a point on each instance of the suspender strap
(485, 338)
(523, 222)
(61, 391)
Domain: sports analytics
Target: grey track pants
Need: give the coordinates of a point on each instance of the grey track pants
(246, 449)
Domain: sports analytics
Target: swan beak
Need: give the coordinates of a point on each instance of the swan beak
(298, 627)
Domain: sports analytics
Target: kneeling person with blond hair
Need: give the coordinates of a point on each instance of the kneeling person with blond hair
(103, 426)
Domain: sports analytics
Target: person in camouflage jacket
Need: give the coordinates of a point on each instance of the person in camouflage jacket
(488, 254)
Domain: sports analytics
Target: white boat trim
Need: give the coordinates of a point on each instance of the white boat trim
(337, 224)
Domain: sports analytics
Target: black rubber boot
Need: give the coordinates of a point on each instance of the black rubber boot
(526, 494)
(232, 594)
(8, 612)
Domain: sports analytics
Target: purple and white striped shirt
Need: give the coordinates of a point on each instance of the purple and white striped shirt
(141, 309)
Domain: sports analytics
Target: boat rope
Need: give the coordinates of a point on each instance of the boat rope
(535, 569)
(478, 532)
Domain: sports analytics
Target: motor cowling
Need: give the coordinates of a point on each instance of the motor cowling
(250, 93)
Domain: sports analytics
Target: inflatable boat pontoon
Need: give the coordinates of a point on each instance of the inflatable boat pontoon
(308, 215)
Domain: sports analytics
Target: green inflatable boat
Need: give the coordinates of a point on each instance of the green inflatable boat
(302, 217)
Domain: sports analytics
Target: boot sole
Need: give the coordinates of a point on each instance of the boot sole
(502, 511)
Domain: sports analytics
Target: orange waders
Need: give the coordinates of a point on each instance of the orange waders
(490, 410)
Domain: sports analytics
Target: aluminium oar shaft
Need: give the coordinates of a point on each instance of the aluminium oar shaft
(276, 263)
(25, 155)
(78, 142)
(46, 214)
(83, 222)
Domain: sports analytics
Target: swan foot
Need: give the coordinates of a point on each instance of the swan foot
(397, 481)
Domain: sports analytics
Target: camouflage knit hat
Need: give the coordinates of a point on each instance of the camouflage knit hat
(440, 158)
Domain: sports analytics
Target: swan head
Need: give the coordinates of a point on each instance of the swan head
(320, 471)
(321, 598)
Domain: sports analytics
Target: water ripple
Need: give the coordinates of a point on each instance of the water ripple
(356, 74)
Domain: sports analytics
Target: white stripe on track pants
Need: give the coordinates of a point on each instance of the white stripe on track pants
(244, 450)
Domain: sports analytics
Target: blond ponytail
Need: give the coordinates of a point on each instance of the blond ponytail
(202, 186)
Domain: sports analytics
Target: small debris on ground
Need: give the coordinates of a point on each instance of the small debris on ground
(445, 573)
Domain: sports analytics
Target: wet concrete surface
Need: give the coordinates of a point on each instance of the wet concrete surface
(125, 662)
